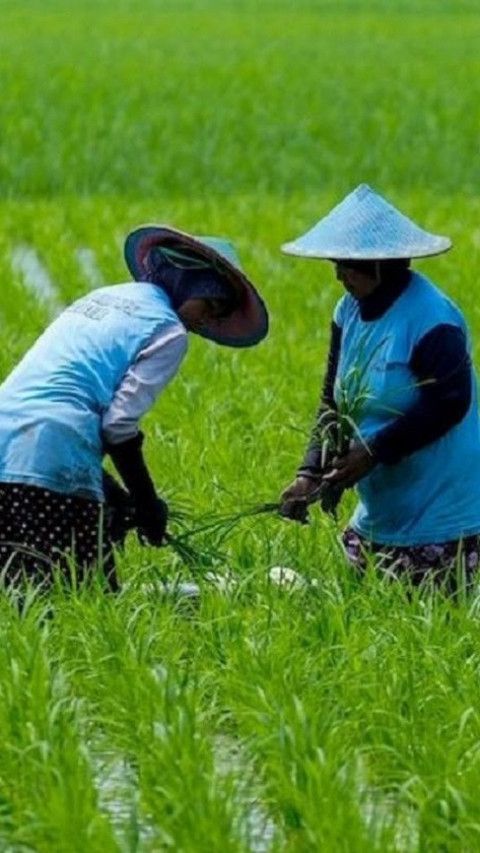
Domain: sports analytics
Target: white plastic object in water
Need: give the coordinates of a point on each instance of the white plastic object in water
(223, 582)
(283, 576)
(185, 589)
(176, 589)
(289, 578)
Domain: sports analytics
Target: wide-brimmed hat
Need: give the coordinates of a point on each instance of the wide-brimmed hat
(248, 323)
(366, 227)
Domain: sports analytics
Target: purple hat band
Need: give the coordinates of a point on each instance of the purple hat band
(248, 323)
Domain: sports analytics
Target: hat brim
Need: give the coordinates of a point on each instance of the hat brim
(331, 253)
(247, 325)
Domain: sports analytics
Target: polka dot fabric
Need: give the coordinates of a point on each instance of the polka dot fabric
(41, 529)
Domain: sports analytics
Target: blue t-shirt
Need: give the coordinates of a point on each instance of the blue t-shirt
(432, 495)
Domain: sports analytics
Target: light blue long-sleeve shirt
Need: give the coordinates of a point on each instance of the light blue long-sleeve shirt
(88, 379)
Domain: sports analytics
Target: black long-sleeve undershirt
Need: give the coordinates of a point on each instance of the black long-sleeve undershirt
(441, 364)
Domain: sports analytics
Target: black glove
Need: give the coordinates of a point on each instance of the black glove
(151, 511)
(119, 509)
(115, 495)
(152, 523)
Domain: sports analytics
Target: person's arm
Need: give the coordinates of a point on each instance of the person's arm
(144, 381)
(312, 461)
(307, 484)
(115, 495)
(154, 367)
(441, 365)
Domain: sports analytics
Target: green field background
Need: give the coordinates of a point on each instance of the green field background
(342, 716)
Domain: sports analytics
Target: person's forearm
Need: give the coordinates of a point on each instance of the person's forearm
(113, 492)
(130, 464)
(312, 463)
(423, 424)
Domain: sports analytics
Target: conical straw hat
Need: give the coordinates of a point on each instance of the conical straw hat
(366, 227)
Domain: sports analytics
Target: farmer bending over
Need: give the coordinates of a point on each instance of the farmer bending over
(399, 415)
(82, 388)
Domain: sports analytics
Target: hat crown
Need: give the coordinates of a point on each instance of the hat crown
(364, 226)
(223, 247)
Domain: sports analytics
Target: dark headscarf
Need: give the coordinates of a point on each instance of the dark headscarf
(393, 276)
(199, 281)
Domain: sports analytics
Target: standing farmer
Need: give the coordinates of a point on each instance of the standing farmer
(81, 390)
(399, 415)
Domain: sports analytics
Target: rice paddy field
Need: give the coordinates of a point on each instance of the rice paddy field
(332, 715)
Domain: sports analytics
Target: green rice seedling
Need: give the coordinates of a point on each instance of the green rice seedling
(338, 427)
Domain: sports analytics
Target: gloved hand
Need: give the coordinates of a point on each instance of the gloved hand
(152, 522)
